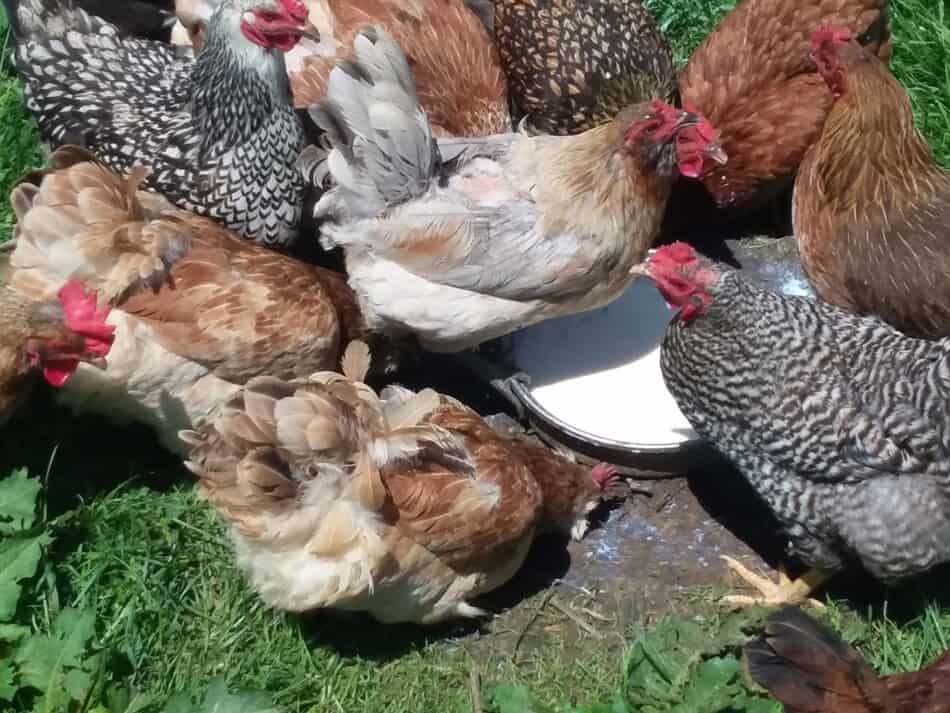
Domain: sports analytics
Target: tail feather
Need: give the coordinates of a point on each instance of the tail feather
(79, 219)
(383, 152)
(809, 669)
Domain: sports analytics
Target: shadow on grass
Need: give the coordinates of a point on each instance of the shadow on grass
(730, 500)
(80, 457)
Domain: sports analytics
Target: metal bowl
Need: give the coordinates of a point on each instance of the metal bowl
(590, 353)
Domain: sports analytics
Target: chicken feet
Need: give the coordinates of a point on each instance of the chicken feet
(784, 592)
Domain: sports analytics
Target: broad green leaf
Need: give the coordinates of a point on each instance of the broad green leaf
(19, 558)
(18, 494)
(7, 688)
(684, 666)
(57, 664)
(219, 700)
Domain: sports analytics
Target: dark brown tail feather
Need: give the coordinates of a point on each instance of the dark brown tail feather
(809, 669)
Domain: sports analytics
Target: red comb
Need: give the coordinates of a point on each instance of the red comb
(829, 34)
(678, 252)
(604, 475)
(83, 318)
(296, 9)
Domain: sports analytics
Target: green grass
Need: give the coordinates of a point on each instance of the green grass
(153, 563)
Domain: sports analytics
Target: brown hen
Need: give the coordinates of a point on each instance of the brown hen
(809, 669)
(872, 206)
(224, 312)
(753, 79)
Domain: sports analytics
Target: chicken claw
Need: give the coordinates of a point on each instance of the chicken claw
(784, 592)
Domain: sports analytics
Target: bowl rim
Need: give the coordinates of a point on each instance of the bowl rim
(523, 393)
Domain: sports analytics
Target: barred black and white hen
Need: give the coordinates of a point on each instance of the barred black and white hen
(218, 133)
(839, 422)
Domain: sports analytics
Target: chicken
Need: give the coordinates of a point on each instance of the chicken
(574, 64)
(468, 240)
(808, 669)
(753, 79)
(218, 133)
(405, 506)
(48, 339)
(197, 311)
(872, 207)
(839, 422)
(458, 72)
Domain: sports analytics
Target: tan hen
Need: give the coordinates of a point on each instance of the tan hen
(401, 505)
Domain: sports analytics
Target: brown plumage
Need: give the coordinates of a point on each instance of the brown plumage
(457, 69)
(809, 669)
(571, 491)
(402, 505)
(872, 206)
(226, 311)
(753, 79)
(574, 64)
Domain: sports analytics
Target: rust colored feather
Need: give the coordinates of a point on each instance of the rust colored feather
(458, 74)
(89, 223)
(753, 79)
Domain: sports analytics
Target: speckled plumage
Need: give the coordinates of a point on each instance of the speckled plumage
(573, 64)
(839, 422)
(219, 133)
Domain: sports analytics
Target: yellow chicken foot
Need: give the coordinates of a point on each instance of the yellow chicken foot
(784, 592)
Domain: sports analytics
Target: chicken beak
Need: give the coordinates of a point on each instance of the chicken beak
(310, 32)
(98, 362)
(715, 151)
(640, 270)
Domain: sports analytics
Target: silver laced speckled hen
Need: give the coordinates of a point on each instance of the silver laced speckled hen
(839, 422)
(218, 133)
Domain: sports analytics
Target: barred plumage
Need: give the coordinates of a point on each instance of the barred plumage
(219, 132)
(839, 422)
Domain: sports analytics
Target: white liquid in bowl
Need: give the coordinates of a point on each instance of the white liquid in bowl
(600, 371)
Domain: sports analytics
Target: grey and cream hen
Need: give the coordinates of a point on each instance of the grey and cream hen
(218, 133)
(839, 422)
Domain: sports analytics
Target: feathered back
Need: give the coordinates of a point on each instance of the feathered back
(459, 78)
(269, 441)
(79, 219)
(276, 435)
(382, 151)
